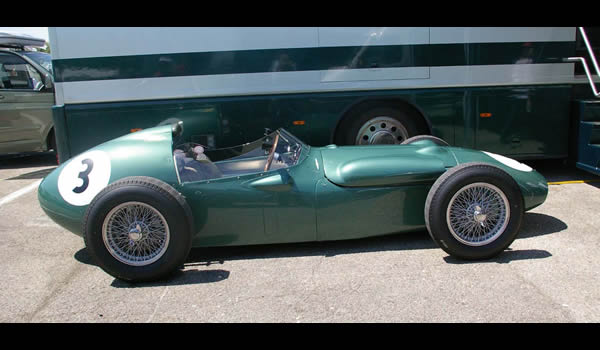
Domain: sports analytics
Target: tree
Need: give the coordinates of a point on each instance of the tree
(45, 49)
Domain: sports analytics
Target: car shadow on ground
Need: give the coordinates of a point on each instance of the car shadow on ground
(534, 224)
(505, 257)
(178, 278)
(27, 160)
(39, 174)
(202, 263)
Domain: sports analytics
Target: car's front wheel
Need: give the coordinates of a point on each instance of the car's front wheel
(474, 211)
(138, 229)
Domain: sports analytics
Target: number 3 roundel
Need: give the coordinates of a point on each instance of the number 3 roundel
(83, 177)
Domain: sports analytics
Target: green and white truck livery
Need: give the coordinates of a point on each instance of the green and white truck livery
(511, 91)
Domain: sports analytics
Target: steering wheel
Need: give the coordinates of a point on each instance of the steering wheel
(271, 153)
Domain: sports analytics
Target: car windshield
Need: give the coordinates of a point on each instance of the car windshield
(41, 58)
(276, 150)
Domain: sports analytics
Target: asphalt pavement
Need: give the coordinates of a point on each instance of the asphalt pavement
(551, 273)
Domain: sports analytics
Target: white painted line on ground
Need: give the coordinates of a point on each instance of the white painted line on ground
(19, 193)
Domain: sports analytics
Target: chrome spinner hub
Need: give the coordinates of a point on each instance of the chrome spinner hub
(478, 215)
(135, 233)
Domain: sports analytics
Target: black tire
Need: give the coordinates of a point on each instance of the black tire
(434, 139)
(349, 129)
(52, 145)
(156, 195)
(455, 180)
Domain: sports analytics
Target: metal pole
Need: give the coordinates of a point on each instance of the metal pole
(589, 48)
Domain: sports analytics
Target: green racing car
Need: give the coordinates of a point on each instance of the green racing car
(142, 201)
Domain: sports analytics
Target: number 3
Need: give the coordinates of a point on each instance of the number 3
(84, 176)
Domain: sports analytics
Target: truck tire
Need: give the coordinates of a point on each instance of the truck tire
(379, 125)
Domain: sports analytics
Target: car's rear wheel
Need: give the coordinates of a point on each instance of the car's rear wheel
(418, 138)
(138, 229)
(474, 211)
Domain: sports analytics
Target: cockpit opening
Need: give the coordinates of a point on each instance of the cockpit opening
(276, 150)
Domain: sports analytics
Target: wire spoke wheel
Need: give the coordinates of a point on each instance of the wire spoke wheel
(135, 233)
(478, 214)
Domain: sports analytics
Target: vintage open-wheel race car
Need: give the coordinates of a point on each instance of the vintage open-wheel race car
(142, 201)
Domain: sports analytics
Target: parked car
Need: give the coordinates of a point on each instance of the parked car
(143, 200)
(26, 96)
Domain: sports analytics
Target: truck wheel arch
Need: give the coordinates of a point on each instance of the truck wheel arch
(365, 105)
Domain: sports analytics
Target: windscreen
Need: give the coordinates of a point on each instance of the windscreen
(276, 150)
(41, 58)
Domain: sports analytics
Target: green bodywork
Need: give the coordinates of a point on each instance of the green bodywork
(331, 193)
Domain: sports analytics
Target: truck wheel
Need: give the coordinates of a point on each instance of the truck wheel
(138, 229)
(382, 125)
(474, 211)
(418, 138)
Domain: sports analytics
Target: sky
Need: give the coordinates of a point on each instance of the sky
(38, 32)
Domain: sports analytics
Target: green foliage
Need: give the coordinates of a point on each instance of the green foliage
(45, 49)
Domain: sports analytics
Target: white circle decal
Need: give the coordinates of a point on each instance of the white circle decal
(83, 177)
